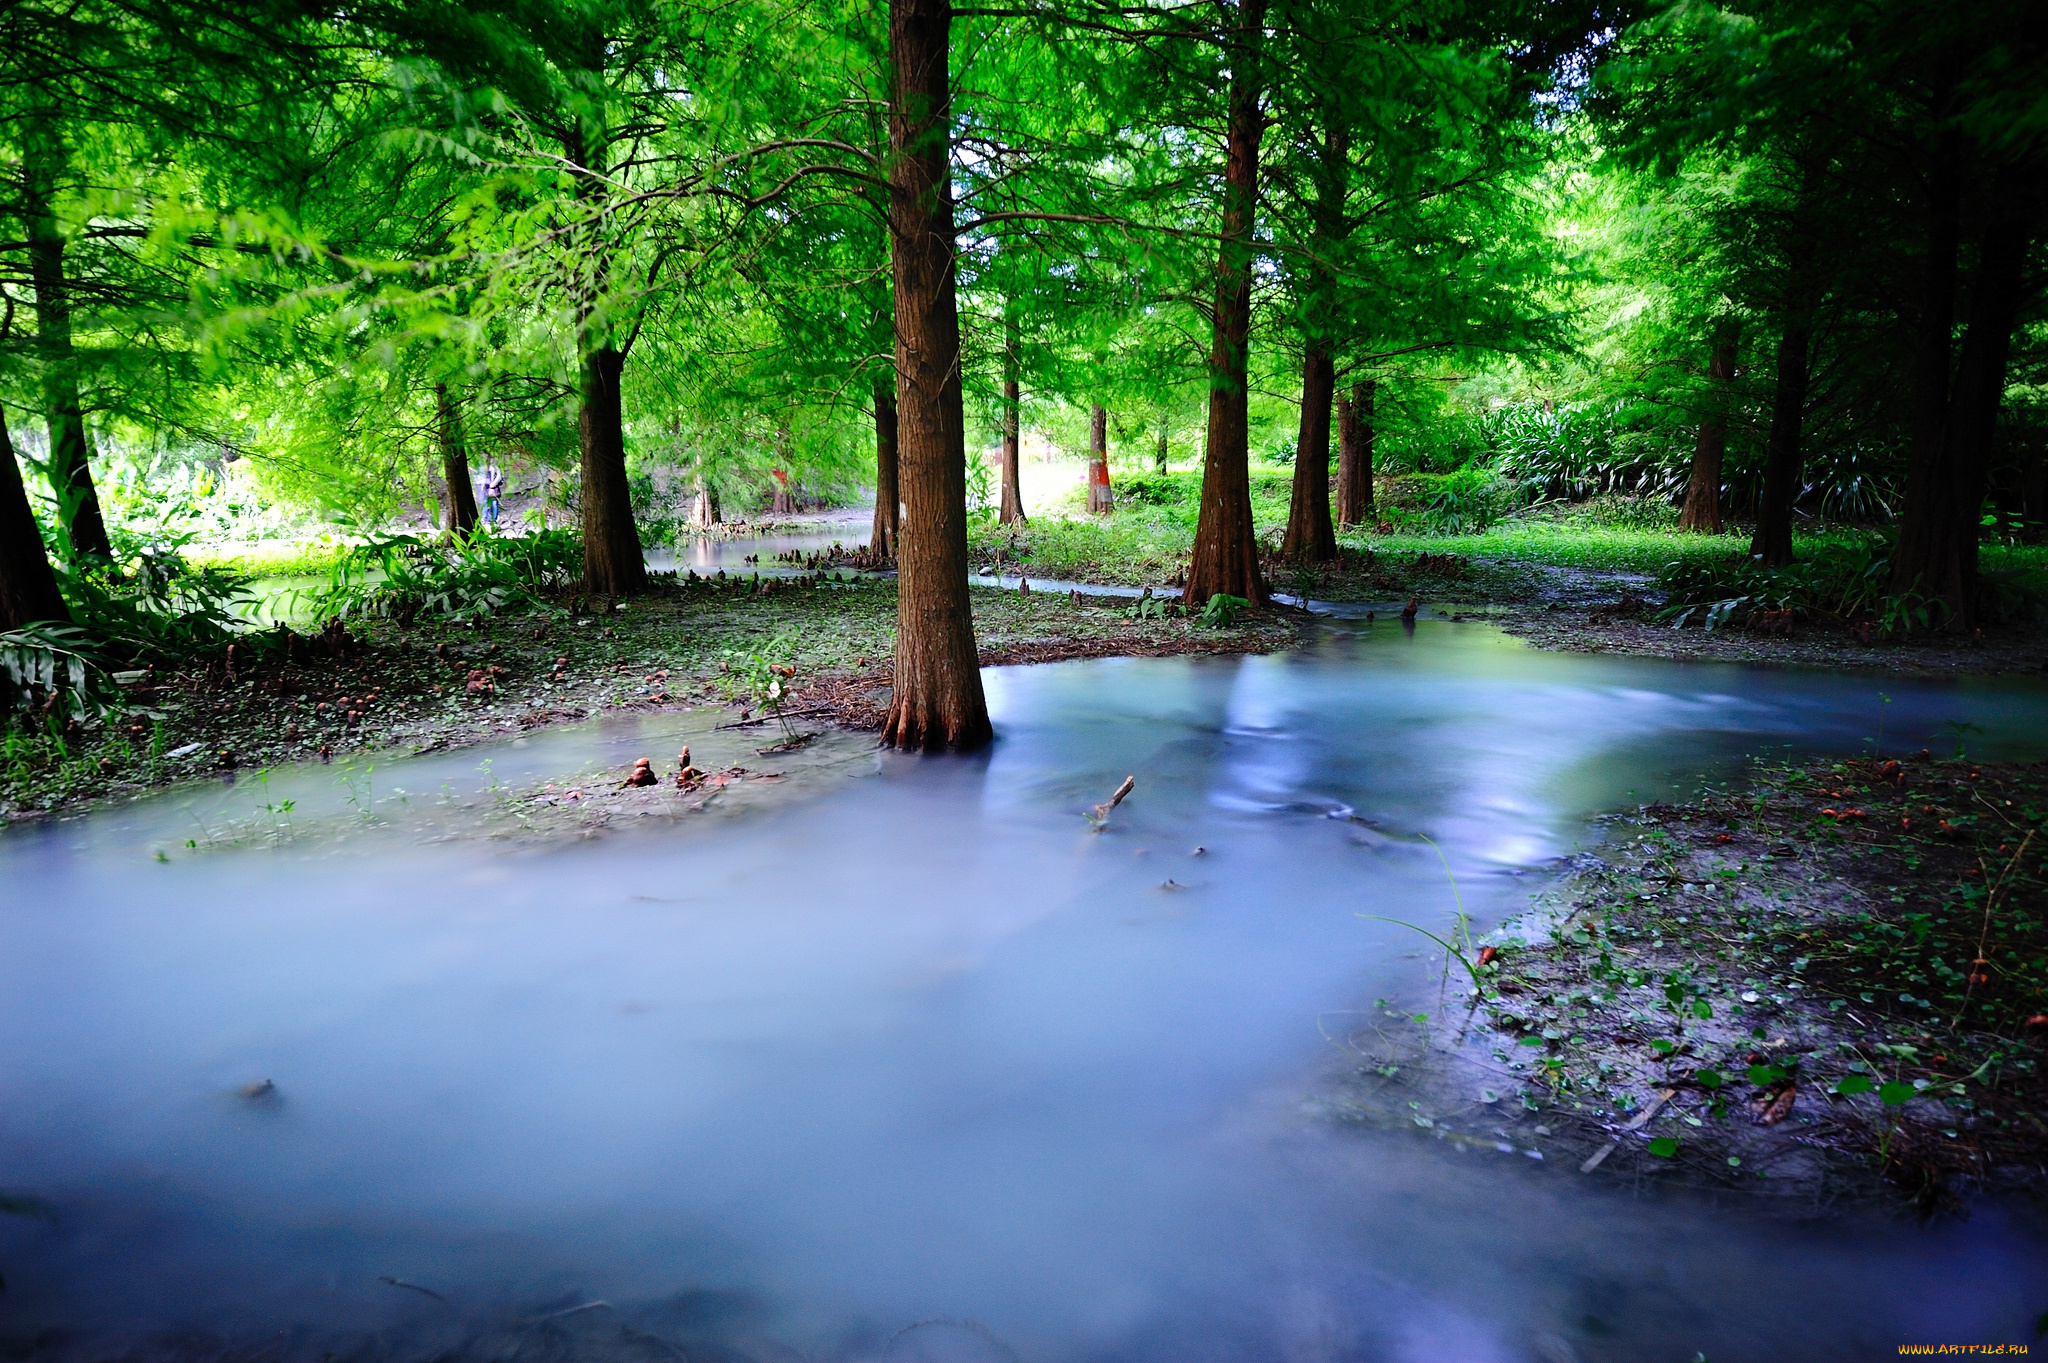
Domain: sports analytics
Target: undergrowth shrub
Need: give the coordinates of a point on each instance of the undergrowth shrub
(454, 577)
(1847, 585)
(1623, 511)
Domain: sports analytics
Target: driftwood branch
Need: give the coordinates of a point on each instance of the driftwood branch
(1102, 810)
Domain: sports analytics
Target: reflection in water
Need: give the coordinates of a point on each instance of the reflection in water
(920, 1047)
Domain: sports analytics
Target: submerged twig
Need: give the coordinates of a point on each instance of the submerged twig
(413, 1287)
(573, 1310)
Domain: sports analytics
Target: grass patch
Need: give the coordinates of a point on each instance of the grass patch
(271, 558)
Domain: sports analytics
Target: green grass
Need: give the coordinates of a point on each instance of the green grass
(1147, 540)
(270, 558)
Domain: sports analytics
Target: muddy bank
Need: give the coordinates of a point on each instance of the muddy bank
(691, 644)
(1618, 622)
(1582, 610)
(1833, 982)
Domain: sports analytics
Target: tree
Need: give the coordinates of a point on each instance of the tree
(1012, 509)
(461, 510)
(1702, 508)
(936, 700)
(1101, 500)
(28, 589)
(1354, 455)
(1226, 558)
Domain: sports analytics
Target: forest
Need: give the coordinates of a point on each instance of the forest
(956, 681)
(1759, 274)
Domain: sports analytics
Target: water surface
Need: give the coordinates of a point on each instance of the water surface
(917, 1045)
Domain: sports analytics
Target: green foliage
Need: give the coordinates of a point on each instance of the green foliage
(451, 577)
(156, 608)
(49, 661)
(1847, 585)
(1222, 611)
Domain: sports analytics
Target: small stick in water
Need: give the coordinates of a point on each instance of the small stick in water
(573, 1310)
(413, 1287)
(1102, 810)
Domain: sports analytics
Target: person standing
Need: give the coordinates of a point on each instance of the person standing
(494, 488)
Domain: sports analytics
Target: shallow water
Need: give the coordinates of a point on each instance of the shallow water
(919, 1045)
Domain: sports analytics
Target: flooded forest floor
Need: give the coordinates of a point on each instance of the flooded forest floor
(1834, 975)
(821, 641)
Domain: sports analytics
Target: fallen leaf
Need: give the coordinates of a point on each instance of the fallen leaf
(1780, 1107)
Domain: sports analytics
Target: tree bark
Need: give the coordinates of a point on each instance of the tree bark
(1702, 512)
(1772, 541)
(1013, 449)
(1997, 293)
(614, 564)
(888, 500)
(1354, 455)
(28, 589)
(2034, 490)
(1226, 556)
(1783, 455)
(461, 513)
(936, 701)
(70, 465)
(1159, 455)
(1310, 538)
(704, 513)
(1101, 500)
(1928, 558)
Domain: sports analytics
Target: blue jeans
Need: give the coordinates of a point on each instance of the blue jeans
(491, 511)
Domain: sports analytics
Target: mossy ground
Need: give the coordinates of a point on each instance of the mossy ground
(1838, 973)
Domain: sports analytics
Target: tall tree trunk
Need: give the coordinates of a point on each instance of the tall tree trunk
(614, 564)
(1159, 455)
(1101, 500)
(70, 464)
(1702, 511)
(1310, 539)
(1013, 447)
(1928, 558)
(1783, 454)
(2034, 490)
(888, 500)
(28, 589)
(704, 511)
(1354, 455)
(1226, 556)
(461, 514)
(937, 700)
(1772, 541)
(1997, 291)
